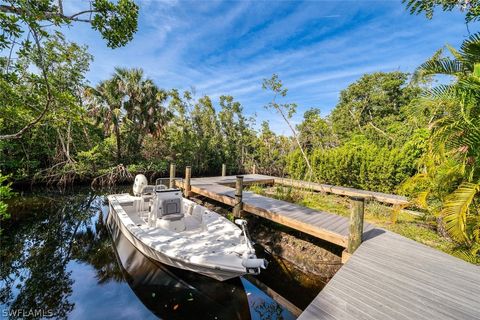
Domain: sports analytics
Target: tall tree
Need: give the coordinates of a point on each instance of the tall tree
(130, 103)
(371, 105)
(286, 110)
(315, 132)
(27, 27)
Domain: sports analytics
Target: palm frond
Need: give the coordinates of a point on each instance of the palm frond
(455, 53)
(444, 66)
(421, 199)
(443, 91)
(471, 49)
(456, 209)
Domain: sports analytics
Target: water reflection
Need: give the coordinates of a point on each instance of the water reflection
(57, 260)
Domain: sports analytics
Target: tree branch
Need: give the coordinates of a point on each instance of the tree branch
(380, 130)
(49, 14)
(19, 134)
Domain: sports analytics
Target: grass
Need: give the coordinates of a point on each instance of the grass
(418, 228)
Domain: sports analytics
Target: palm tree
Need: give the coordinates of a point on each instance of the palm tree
(105, 103)
(131, 104)
(454, 151)
(143, 107)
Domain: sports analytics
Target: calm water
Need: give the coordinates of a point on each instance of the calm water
(59, 259)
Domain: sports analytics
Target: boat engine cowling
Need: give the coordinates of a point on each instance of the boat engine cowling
(253, 265)
(140, 183)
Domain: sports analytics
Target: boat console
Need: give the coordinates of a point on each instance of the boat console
(166, 210)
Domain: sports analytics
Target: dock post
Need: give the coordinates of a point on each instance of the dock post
(187, 186)
(357, 210)
(172, 176)
(224, 169)
(237, 209)
(254, 169)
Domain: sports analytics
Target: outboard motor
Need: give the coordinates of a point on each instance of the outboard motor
(140, 183)
(250, 260)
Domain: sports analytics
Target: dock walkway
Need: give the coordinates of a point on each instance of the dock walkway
(388, 276)
(323, 225)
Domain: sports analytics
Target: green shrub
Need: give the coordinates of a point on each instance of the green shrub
(362, 164)
(5, 193)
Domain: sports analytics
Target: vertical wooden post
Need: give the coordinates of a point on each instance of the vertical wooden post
(187, 186)
(224, 169)
(254, 169)
(172, 176)
(357, 209)
(237, 209)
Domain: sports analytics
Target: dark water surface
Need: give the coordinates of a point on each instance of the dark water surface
(59, 259)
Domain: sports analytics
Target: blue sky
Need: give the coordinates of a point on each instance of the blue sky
(228, 47)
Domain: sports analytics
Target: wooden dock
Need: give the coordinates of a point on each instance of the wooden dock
(392, 277)
(388, 276)
(323, 225)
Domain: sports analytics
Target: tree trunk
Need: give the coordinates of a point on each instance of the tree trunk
(441, 227)
(117, 136)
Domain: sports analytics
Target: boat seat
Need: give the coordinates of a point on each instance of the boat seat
(173, 217)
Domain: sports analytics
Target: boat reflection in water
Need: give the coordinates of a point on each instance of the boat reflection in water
(172, 293)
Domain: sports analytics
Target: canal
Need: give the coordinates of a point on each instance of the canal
(58, 258)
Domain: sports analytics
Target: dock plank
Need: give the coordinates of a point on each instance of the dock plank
(344, 191)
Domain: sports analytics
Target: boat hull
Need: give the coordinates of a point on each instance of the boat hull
(215, 273)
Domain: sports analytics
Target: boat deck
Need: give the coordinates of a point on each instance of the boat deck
(388, 277)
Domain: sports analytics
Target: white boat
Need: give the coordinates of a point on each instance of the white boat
(178, 232)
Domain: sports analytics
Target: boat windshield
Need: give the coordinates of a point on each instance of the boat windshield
(162, 184)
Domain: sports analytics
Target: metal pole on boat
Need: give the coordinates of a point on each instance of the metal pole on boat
(224, 170)
(188, 175)
(172, 176)
(237, 209)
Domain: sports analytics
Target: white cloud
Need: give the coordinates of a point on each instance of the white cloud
(316, 47)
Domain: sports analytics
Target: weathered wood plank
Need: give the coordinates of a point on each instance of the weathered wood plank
(343, 191)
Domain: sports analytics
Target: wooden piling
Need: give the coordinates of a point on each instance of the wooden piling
(237, 209)
(172, 176)
(187, 185)
(254, 169)
(224, 170)
(357, 209)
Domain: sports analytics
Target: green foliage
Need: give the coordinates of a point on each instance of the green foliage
(373, 106)
(370, 140)
(117, 22)
(275, 85)
(269, 151)
(23, 95)
(5, 193)
(449, 183)
(472, 7)
(362, 164)
(39, 65)
(315, 132)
